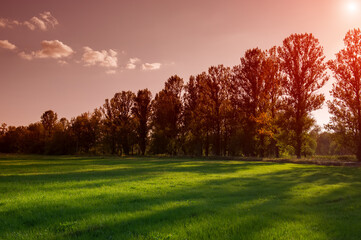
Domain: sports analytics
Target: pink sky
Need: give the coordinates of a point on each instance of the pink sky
(69, 56)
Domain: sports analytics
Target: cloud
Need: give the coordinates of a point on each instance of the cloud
(132, 63)
(6, 23)
(111, 71)
(53, 49)
(36, 22)
(2, 23)
(151, 66)
(49, 49)
(62, 62)
(49, 19)
(7, 45)
(101, 58)
(44, 21)
(26, 56)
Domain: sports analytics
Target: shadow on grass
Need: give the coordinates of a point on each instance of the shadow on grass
(80, 171)
(235, 207)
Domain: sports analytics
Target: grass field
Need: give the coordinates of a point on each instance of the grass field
(44, 197)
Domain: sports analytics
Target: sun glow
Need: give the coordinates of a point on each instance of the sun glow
(352, 7)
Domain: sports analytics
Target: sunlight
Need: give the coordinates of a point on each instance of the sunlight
(352, 6)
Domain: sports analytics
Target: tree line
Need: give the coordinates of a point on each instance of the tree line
(260, 107)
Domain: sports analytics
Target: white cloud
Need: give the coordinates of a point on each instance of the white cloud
(130, 66)
(132, 63)
(2, 23)
(37, 22)
(26, 56)
(53, 49)
(49, 19)
(151, 66)
(7, 45)
(62, 62)
(111, 71)
(101, 58)
(8, 23)
(43, 21)
(49, 49)
(29, 25)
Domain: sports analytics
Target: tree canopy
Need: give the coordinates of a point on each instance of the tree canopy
(346, 105)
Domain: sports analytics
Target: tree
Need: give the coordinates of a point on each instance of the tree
(64, 140)
(192, 118)
(96, 122)
(119, 121)
(48, 119)
(3, 129)
(142, 111)
(213, 95)
(34, 139)
(249, 90)
(109, 126)
(121, 106)
(302, 63)
(166, 118)
(256, 91)
(273, 99)
(202, 115)
(346, 91)
(324, 140)
(84, 133)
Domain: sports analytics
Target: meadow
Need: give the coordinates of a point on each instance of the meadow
(68, 197)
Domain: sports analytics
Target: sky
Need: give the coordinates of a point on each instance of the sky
(69, 56)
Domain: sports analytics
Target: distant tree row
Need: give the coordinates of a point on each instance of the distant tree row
(261, 107)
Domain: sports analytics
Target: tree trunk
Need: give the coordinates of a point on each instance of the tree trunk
(299, 126)
(207, 145)
(218, 141)
(358, 153)
(225, 147)
(298, 145)
(261, 151)
(113, 144)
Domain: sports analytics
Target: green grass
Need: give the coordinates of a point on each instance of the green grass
(44, 197)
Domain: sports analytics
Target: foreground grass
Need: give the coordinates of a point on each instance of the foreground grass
(125, 198)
